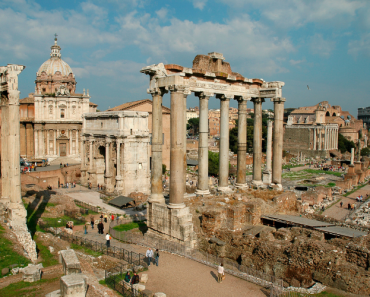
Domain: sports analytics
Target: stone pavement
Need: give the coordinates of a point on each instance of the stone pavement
(182, 277)
(340, 213)
(93, 197)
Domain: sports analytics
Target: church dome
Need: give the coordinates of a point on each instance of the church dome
(55, 63)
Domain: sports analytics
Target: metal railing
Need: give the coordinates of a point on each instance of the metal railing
(114, 278)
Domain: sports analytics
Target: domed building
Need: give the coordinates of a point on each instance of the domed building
(51, 118)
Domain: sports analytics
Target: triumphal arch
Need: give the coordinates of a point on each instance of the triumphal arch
(210, 77)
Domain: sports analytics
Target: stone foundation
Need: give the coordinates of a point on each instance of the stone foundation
(171, 223)
(71, 264)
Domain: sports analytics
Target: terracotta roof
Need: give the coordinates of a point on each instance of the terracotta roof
(92, 104)
(27, 100)
(129, 105)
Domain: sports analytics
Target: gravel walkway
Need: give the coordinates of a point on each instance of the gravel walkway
(181, 277)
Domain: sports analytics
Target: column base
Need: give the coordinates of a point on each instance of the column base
(176, 205)
(277, 187)
(267, 176)
(224, 189)
(157, 198)
(242, 186)
(202, 192)
(257, 183)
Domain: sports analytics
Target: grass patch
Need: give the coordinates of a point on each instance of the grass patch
(308, 174)
(90, 211)
(48, 259)
(354, 190)
(60, 222)
(314, 171)
(86, 250)
(129, 226)
(49, 204)
(8, 256)
(287, 166)
(331, 184)
(25, 289)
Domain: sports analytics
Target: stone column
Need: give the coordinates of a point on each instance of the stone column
(325, 138)
(157, 141)
(352, 156)
(77, 144)
(267, 172)
(91, 165)
(224, 145)
(10, 151)
(186, 93)
(242, 144)
(203, 144)
(55, 142)
(278, 140)
(314, 139)
(257, 141)
(177, 148)
(83, 162)
(320, 138)
(36, 135)
(70, 141)
(42, 143)
(47, 143)
(118, 187)
(108, 176)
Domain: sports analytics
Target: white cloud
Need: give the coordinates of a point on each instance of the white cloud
(320, 46)
(199, 4)
(297, 62)
(162, 13)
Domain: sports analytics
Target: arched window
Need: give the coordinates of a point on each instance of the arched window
(328, 114)
(334, 114)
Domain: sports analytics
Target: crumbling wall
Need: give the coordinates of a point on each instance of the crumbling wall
(286, 201)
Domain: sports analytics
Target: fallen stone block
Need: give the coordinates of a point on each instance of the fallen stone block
(15, 270)
(147, 293)
(5, 271)
(71, 264)
(144, 278)
(54, 294)
(73, 285)
(51, 249)
(138, 287)
(31, 273)
(159, 294)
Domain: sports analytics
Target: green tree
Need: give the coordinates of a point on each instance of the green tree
(193, 124)
(345, 145)
(213, 163)
(365, 151)
(164, 168)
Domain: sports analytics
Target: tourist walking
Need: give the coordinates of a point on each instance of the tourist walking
(108, 238)
(149, 255)
(101, 228)
(92, 222)
(105, 218)
(341, 203)
(85, 228)
(135, 280)
(128, 277)
(112, 218)
(156, 256)
(220, 273)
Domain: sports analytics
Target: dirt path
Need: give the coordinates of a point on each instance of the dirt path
(182, 277)
(340, 213)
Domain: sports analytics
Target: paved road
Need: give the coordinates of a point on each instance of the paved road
(340, 213)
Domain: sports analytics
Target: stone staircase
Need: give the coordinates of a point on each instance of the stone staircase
(65, 160)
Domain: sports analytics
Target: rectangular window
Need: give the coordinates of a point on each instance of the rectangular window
(62, 113)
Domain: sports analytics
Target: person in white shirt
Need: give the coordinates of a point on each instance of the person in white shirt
(220, 270)
(107, 238)
(149, 255)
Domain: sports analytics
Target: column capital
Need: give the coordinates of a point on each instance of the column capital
(241, 98)
(225, 97)
(178, 89)
(91, 139)
(278, 99)
(258, 100)
(204, 95)
(108, 141)
(157, 91)
(119, 140)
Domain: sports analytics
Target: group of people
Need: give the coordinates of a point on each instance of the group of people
(149, 254)
(100, 187)
(61, 165)
(359, 198)
(68, 185)
(69, 225)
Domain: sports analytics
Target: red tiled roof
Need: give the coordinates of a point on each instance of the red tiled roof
(129, 105)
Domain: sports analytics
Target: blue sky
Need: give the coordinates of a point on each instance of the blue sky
(321, 43)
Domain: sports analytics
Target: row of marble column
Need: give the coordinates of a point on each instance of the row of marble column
(178, 144)
(44, 150)
(328, 141)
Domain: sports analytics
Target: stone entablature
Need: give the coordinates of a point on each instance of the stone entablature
(122, 138)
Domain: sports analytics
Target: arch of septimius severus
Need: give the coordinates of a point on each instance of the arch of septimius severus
(209, 77)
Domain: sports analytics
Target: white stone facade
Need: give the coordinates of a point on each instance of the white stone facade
(122, 138)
